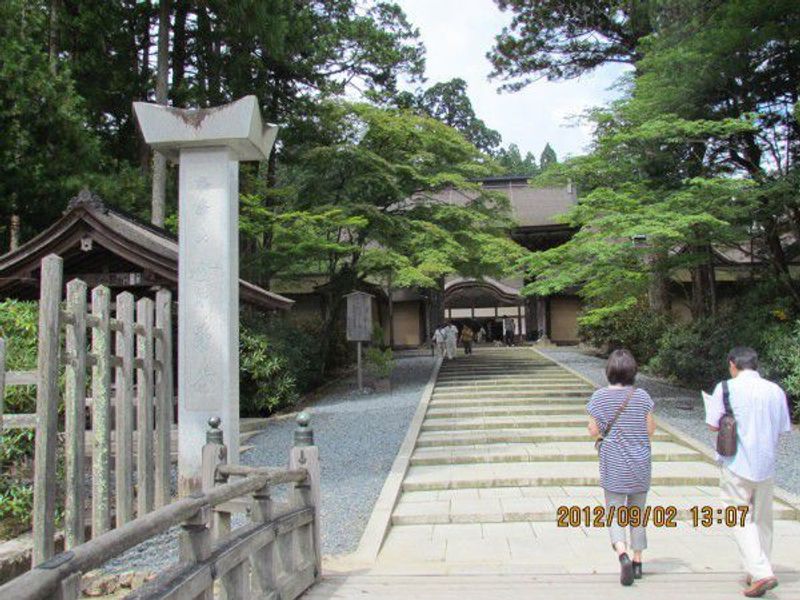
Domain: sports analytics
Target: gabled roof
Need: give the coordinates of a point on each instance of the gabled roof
(149, 248)
(530, 206)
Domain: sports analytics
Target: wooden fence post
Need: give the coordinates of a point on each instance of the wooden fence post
(164, 395)
(144, 406)
(195, 544)
(126, 352)
(305, 455)
(44, 484)
(262, 563)
(75, 417)
(101, 410)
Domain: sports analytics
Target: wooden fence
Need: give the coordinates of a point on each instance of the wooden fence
(127, 357)
(276, 555)
(9, 379)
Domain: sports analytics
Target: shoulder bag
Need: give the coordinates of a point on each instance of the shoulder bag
(726, 437)
(599, 441)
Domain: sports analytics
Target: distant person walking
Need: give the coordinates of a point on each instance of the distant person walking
(450, 339)
(621, 419)
(466, 339)
(509, 329)
(761, 413)
(440, 339)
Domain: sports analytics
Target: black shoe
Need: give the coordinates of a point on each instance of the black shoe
(625, 570)
(637, 570)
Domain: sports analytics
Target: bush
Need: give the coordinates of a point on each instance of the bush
(379, 363)
(278, 361)
(637, 329)
(695, 353)
(19, 328)
(780, 358)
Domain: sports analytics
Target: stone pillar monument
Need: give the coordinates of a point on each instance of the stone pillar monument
(208, 145)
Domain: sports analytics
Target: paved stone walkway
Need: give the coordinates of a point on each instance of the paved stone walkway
(503, 445)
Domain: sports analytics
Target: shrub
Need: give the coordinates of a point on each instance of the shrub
(379, 363)
(638, 330)
(780, 359)
(19, 327)
(279, 360)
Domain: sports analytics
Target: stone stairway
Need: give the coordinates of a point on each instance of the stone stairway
(502, 446)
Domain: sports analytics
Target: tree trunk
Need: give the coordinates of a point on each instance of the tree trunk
(53, 50)
(704, 289)
(436, 301)
(179, 52)
(658, 291)
(391, 311)
(159, 161)
(13, 231)
(144, 75)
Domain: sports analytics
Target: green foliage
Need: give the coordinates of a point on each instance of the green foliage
(548, 157)
(16, 446)
(278, 361)
(449, 103)
(563, 40)
(45, 147)
(781, 358)
(379, 362)
(514, 164)
(637, 329)
(16, 489)
(16, 504)
(19, 328)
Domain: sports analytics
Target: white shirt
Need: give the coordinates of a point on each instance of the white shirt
(761, 416)
(439, 335)
(451, 333)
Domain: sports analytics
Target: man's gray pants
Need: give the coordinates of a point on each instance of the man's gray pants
(638, 534)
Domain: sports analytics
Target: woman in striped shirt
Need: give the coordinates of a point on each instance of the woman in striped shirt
(625, 461)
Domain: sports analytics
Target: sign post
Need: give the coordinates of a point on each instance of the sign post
(359, 326)
(208, 144)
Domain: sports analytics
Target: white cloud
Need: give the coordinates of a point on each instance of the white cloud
(457, 35)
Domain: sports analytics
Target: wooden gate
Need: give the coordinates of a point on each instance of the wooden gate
(126, 357)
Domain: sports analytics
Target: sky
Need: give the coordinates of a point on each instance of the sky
(457, 35)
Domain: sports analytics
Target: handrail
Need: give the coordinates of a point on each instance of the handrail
(43, 581)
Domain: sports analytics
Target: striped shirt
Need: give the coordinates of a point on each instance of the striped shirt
(625, 463)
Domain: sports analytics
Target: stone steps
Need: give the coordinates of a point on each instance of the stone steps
(515, 435)
(554, 408)
(502, 385)
(510, 509)
(525, 395)
(544, 451)
(539, 473)
(466, 424)
(503, 401)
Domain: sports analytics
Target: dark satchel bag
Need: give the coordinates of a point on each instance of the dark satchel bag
(599, 441)
(726, 438)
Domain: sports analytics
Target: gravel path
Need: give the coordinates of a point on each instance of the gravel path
(683, 408)
(358, 436)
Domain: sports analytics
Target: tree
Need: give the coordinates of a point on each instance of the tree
(44, 148)
(159, 193)
(362, 206)
(562, 40)
(449, 103)
(513, 164)
(718, 148)
(548, 157)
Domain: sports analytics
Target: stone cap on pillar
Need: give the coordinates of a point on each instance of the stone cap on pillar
(237, 125)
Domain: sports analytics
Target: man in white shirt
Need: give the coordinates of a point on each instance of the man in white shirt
(451, 339)
(761, 412)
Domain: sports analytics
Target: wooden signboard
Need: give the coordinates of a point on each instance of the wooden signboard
(359, 325)
(359, 317)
